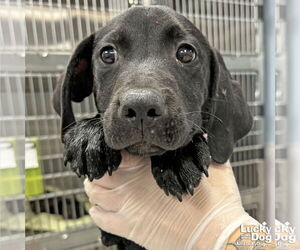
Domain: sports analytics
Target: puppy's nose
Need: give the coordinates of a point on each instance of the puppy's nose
(141, 106)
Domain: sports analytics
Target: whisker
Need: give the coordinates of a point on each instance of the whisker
(219, 119)
(200, 111)
(71, 124)
(193, 123)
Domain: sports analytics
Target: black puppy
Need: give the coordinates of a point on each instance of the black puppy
(158, 87)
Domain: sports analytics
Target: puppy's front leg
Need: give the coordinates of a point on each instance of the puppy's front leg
(164, 170)
(86, 150)
(179, 172)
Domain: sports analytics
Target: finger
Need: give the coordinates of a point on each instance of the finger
(110, 200)
(108, 221)
(90, 187)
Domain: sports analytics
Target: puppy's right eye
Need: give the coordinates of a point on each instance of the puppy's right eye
(108, 54)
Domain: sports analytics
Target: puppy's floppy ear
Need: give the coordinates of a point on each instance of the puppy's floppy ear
(229, 116)
(76, 82)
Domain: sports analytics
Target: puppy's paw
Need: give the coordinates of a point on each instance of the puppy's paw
(179, 172)
(86, 150)
(194, 160)
(166, 176)
(200, 153)
(189, 173)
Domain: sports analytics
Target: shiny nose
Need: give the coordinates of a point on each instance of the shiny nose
(141, 106)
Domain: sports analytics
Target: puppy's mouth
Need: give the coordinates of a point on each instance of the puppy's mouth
(144, 148)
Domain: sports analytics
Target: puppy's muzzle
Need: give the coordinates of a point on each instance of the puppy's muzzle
(141, 108)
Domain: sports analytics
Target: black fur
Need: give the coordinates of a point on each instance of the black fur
(122, 243)
(198, 97)
(179, 172)
(86, 150)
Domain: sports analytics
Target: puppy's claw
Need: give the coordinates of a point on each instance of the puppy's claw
(179, 196)
(205, 170)
(77, 172)
(190, 189)
(65, 161)
(116, 159)
(91, 177)
(109, 170)
(166, 191)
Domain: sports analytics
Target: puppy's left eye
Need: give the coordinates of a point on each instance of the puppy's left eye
(185, 53)
(108, 54)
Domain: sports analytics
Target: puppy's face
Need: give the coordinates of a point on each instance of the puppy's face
(154, 77)
(151, 74)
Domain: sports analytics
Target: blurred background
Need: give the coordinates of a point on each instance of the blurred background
(52, 211)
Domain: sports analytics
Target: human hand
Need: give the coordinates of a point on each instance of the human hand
(131, 205)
